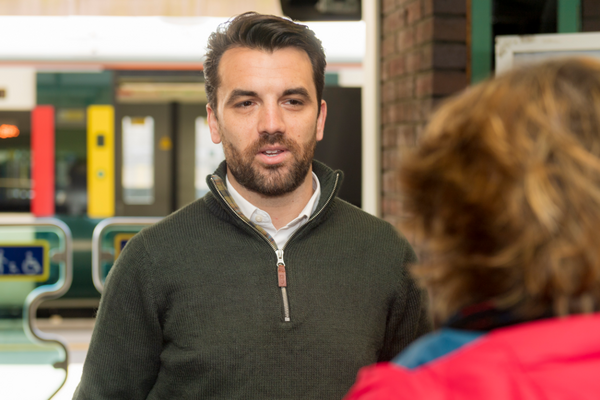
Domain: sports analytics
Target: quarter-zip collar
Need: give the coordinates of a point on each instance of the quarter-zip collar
(263, 219)
(219, 200)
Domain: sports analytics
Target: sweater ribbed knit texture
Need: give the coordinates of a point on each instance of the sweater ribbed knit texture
(192, 308)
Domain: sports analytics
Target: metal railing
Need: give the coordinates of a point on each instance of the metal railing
(46, 292)
(98, 256)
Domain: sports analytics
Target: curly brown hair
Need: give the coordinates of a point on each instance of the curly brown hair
(503, 192)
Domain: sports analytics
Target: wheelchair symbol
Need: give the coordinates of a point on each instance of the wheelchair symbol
(30, 265)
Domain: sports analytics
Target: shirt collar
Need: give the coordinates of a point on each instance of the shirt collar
(248, 208)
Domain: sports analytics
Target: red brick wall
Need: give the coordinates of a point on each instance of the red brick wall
(424, 57)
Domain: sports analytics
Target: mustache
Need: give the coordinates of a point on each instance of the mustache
(271, 139)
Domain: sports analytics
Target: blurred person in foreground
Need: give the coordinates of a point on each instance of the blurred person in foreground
(504, 193)
(270, 286)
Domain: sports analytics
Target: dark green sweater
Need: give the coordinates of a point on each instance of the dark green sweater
(192, 308)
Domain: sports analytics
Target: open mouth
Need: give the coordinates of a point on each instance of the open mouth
(272, 153)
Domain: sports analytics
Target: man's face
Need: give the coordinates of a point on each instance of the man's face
(267, 117)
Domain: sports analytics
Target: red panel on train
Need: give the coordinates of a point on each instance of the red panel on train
(42, 161)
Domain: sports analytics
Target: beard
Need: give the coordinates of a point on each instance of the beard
(270, 180)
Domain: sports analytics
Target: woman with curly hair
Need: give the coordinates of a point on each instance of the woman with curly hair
(503, 193)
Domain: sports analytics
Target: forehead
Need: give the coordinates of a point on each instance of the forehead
(253, 69)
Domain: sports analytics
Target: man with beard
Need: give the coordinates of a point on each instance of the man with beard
(269, 287)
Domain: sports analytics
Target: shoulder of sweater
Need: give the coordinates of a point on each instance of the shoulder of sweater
(364, 220)
(357, 212)
(357, 229)
(194, 214)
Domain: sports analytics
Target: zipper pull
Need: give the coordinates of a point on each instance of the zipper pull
(281, 269)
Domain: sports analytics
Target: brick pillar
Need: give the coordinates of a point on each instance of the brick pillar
(423, 59)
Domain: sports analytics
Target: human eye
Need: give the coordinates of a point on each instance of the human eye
(294, 102)
(244, 104)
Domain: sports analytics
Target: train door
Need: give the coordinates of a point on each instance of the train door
(143, 159)
(163, 153)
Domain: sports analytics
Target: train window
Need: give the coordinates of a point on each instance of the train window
(208, 156)
(138, 160)
(15, 162)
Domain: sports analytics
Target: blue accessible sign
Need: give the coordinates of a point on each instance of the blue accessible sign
(25, 262)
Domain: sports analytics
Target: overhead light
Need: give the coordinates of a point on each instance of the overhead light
(8, 131)
(97, 41)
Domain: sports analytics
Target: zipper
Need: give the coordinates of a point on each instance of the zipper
(281, 273)
(282, 280)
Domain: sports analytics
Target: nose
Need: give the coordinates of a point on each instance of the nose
(271, 120)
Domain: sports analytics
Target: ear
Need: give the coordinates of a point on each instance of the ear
(213, 125)
(321, 121)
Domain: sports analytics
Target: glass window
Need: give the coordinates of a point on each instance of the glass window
(138, 160)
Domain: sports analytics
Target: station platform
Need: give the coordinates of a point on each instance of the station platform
(77, 334)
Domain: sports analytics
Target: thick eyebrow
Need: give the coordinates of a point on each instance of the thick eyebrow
(237, 93)
(299, 91)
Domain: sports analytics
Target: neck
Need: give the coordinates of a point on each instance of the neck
(282, 209)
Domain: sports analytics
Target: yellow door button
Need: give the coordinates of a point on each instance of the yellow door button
(165, 143)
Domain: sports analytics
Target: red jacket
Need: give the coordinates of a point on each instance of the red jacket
(550, 359)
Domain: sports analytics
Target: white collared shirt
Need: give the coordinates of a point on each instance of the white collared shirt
(263, 219)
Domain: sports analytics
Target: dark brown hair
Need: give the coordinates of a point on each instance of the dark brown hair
(263, 32)
(503, 192)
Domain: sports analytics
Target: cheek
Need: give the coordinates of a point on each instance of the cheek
(304, 131)
(238, 128)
